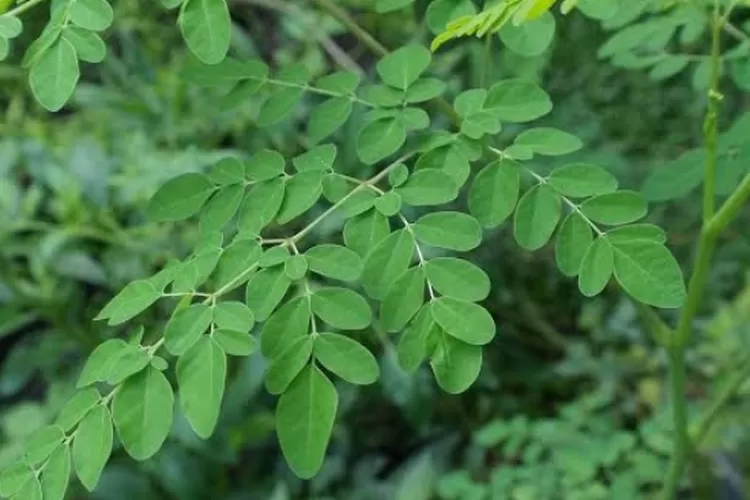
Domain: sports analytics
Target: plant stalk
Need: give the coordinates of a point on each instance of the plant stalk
(706, 247)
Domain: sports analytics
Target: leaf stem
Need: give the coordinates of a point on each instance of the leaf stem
(23, 7)
(342, 16)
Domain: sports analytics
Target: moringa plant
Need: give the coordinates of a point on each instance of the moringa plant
(254, 282)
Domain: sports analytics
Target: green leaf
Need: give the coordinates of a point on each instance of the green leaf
(54, 75)
(180, 198)
(383, 96)
(236, 343)
(549, 141)
(10, 26)
(425, 89)
(380, 139)
(287, 365)
(159, 363)
(341, 82)
(494, 193)
(530, 38)
(334, 261)
(365, 231)
(387, 261)
(463, 320)
(341, 308)
(142, 411)
(185, 327)
(517, 101)
(4, 48)
(359, 202)
(235, 262)
(383, 6)
(93, 446)
(32, 490)
(233, 315)
(428, 187)
(284, 327)
(648, 271)
(616, 208)
(624, 234)
(77, 407)
(458, 279)
(302, 192)
(317, 158)
(296, 267)
(456, 364)
(414, 118)
(304, 421)
(441, 12)
(228, 171)
(274, 256)
(573, 240)
(669, 66)
(14, 477)
(403, 299)
(92, 15)
(448, 159)
(201, 373)
(327, 117)
(43, 443)
(676, 179)
(412, 346)
(450, 230)
(347, 358)
(596, 268)
(88, 45)
(580, 180)
(221, 207)
(207, 28)
(265, 290)
(228, 71)
(260, 206)
(56, 474)
(536, 217)
(398, 175)
(132, 360)
(264, 165)
(100, 362)
(283, 100)
(389, 204)
(401, 68)
(134, 298)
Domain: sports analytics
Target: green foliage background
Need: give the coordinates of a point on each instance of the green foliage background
(570, 402)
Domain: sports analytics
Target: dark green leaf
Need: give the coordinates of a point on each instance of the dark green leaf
(387, 261)
(463, 320)
(201, 372)
(380, 139)
(180, 197)
(647, 271)
(456, 364)
(621, 207)
(450, 230)
(54, 75)
(428, 187)
(334, 261)
(536, 217)
(347, 358)
(304, 421)
(185, 327)
(580, 180)
(458, 278)
(142, 411)
(573, 240)
(93, 446)
(341, 308)
(233, 315)
(327, 117)
(296, 267)
(494, 193)
(285, 326)
(365, 231)
(403, 299)
(236, 343)
(596, 267)
(302, 192)
(288, 364)
(265, 290)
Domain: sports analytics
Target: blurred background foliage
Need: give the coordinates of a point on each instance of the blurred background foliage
(571, 400)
